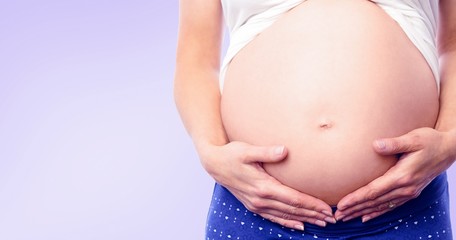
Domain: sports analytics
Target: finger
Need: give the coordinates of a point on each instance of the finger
(373, 215)
(380, 186)
(285, 200)
(285, 216)
(285, 211)
(396, 193)
(299, 200)
(409, 192)
(382, 207)
(409, 142)
(284, 222)
(264, 154)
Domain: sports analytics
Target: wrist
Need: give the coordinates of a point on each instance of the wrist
(451, 144)
(209, 139)
(208, 154)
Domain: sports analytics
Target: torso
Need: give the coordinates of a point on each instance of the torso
(325, 80)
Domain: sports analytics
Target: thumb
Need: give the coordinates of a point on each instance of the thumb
(402, 144)
(265, 154)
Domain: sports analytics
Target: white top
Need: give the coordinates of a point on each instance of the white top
(248, 18)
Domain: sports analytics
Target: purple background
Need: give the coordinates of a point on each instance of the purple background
(91, 146)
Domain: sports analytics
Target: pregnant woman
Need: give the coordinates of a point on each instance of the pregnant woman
(328, 119)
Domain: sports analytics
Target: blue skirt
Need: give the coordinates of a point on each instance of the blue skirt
(425, 217)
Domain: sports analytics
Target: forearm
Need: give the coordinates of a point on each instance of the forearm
(196, 88)
(446, 43)
(447, 113)
(446, 121)
(197, 98)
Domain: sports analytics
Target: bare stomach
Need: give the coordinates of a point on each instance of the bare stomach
(325, 80)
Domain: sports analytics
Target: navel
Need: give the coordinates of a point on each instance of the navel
(325, 124)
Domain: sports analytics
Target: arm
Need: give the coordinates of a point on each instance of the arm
(447, 52)
(235, 165)
(197, 63)
(426, 152)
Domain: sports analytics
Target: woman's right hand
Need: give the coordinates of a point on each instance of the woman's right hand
(238, 167)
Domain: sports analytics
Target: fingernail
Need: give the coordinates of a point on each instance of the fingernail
(320, 223)
(279, 150)
(299, 227)
(327, 213)
(330, 219)
(380, 144)
(341, 207)
(366, 218)
(347, 219)
(340, 217)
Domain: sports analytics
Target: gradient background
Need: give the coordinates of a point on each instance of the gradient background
(91, 145)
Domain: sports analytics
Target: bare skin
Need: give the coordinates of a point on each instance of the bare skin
(327, 92)
(427, 152)
(236, 165)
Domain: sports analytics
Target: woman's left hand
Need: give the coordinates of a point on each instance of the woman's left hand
(426, 153)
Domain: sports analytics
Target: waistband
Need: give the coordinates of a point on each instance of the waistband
(428, 196)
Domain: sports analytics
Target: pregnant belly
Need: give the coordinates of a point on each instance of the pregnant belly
(325, 80)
